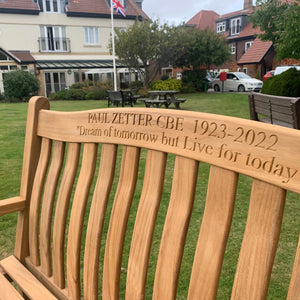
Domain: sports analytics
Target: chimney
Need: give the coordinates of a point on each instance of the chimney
(247, 4)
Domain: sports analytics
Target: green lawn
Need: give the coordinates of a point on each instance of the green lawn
(12, 132)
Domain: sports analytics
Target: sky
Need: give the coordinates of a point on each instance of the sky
(175, 12)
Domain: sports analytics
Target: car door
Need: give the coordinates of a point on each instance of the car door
(231, 82)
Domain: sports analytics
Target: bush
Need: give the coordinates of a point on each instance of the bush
(74, 94)
(167, 85)
(136, 85)
(81, 85)
(60, 95)
(20, 85)
(96, 94)
(285, 84)
(195, 77)
(164, 77)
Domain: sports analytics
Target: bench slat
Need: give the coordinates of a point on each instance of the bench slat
(294, 289)
(81, 195)
(7, 290)
(214, 233)
(260, 241)
(175, 228)
(96, 219)
(27, 282)
(118, 222)
(47, 206)
(144, 224)
(59, 227)
(36, 201)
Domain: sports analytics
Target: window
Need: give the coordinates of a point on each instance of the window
(55, 81)
(247, 45)
(221, 27)
(233, 48)
(53, 38)
(245, 70)
(53, 6)
(235, 26)
(91, 36)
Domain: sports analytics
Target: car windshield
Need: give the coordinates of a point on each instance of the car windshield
(242, 75)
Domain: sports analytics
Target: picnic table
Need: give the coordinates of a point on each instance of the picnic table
(162, 98)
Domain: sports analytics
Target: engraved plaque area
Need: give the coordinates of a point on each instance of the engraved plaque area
(241, 145)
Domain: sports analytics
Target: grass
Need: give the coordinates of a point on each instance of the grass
(12, 133)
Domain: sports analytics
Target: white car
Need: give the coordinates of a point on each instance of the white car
(237, 82)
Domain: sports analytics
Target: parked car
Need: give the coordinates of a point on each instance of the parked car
(280, 69)
(268, 74)
(237, 82)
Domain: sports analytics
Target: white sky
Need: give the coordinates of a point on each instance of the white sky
(178, 11)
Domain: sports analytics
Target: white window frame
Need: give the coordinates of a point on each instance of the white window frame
(248, 45)
(245, 70)
(221, 27)
(60, 6)
(58, 37)
(233, 49)
(91, 36)
(236, 25)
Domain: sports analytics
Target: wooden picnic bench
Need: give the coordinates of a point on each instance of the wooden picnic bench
(278, 110)
(73, 182)
(119, 97)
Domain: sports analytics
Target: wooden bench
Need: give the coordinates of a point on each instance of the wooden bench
(118, 97)
(283, 111)
(84, 171)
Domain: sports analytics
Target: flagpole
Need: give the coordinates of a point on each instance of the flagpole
(113, 45)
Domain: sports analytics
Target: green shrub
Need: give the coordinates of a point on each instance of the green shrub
(164, 77)
(81, 85)
(60, 95)
(188, 87)
(96, 94)
(74, 94)
(20, 85)
(195, 77)
(285, 84)
(135, 85)
(167, 85)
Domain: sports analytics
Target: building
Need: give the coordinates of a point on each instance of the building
(61, 41)
(249, 53)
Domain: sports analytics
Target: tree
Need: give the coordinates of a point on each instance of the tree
(20, 85)
(137, 46)
(279, 22)
(148, 41)
(203, 48)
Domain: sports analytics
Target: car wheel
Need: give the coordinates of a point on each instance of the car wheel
(241, 88)
(216, 88)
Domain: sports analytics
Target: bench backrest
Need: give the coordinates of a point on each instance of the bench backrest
(115, 98)
(284, 111)
(113, 195)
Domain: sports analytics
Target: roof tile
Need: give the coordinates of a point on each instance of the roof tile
(256, 52)
(204, 19)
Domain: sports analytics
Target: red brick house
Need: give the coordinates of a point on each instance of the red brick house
(249, 53)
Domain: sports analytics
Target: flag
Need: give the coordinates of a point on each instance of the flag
(117, 6)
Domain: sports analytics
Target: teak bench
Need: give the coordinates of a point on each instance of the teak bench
(70, 181)
(283, 111)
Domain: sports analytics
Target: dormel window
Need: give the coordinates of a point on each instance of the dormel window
(247, 45)
(235, 26)
(221, 27)
(52, 6)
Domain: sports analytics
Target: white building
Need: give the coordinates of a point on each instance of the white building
(60, 40)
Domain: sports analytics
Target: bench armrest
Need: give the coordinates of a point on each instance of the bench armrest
(11, 205)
